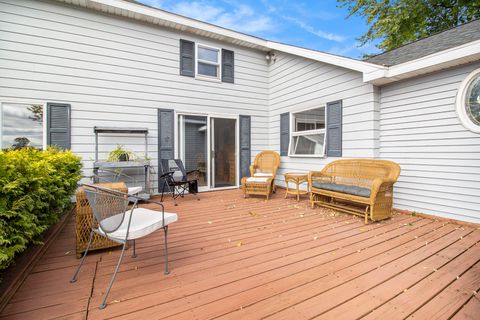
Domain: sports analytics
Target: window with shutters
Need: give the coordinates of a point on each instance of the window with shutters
(308, 132)
(22, 125)
(208, 62)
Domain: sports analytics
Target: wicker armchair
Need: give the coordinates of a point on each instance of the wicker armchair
(84, 221)
(368, 184)
(265, 165)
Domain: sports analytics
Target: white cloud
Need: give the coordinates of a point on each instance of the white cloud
(238, 17)
(319, 33)
(305, 26)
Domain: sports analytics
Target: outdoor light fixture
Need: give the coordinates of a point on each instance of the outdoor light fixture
(270, 56)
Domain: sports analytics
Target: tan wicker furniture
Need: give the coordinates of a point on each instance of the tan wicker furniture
(265, 165)
(84, 218)
(359, 186)
(257, 186)
(297, 179)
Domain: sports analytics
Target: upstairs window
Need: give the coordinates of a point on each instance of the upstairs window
(308, 132)
(208, 62)
(21, 125)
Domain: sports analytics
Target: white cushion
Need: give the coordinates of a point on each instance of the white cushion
(144, 221)
(261, 174)
(134, 190)
(255, 179)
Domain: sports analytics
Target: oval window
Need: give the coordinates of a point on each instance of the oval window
(468, 101)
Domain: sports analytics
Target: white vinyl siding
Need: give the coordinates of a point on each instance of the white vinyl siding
(117, 72)
(299, 84)
(439, 157)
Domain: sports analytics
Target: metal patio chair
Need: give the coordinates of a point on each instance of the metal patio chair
(176, 180)
(119, 221)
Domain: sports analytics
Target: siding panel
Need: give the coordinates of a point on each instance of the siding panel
(297, 84)
(440, 159)
(117, 72)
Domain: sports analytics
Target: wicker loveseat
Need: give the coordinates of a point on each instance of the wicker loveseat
(359, 186)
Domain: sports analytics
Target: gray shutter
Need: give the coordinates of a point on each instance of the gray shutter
(284, 133)
(166, 134)
(334, 129)
(187, 58)
(166, 141)
(58, 125)
(227, 66)
(245, 145)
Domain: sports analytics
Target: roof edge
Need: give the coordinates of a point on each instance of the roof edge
(434, 62)
(138, 11)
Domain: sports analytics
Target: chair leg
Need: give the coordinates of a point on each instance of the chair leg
(104, 302)
(134, 255)
(74, 278)
(163, 191)
(165, 231)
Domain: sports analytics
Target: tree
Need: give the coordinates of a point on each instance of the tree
(398, 22)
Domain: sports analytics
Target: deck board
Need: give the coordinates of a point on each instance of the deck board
(235, 258)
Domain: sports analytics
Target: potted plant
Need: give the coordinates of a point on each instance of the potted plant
(120, 154)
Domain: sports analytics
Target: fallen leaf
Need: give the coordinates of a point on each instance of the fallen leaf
(210, 222)
(252, 213)
(315, 238)
(115, 301)
(239, 244)
(405, 290)
(68, 252)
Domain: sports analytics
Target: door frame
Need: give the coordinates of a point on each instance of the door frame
(210, 116)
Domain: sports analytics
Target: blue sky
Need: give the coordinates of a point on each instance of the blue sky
(319, 25)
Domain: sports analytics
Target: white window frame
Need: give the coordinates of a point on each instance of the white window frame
(218, 64)
(306, 133)
(44, 124)
(460, 102)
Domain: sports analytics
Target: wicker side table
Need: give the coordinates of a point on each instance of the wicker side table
(297, 179)
(84, 219)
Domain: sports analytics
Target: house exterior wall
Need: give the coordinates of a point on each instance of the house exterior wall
(117, 72)
(439, 157)
(297, 83)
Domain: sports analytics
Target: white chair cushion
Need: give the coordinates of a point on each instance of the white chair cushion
(144, 221)
(261, 174)
(134, 190)
(256, 179)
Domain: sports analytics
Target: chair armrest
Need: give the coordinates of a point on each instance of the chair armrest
(315, 175)
(252, 169)
(166, 174)
(378, 184)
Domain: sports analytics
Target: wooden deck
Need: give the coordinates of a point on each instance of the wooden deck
(235, 258)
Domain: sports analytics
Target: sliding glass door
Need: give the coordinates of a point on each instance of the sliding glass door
(209, 144)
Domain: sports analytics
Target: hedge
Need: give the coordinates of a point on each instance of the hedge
(35, 189)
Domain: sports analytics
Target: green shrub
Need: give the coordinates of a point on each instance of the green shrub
(35, 189)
